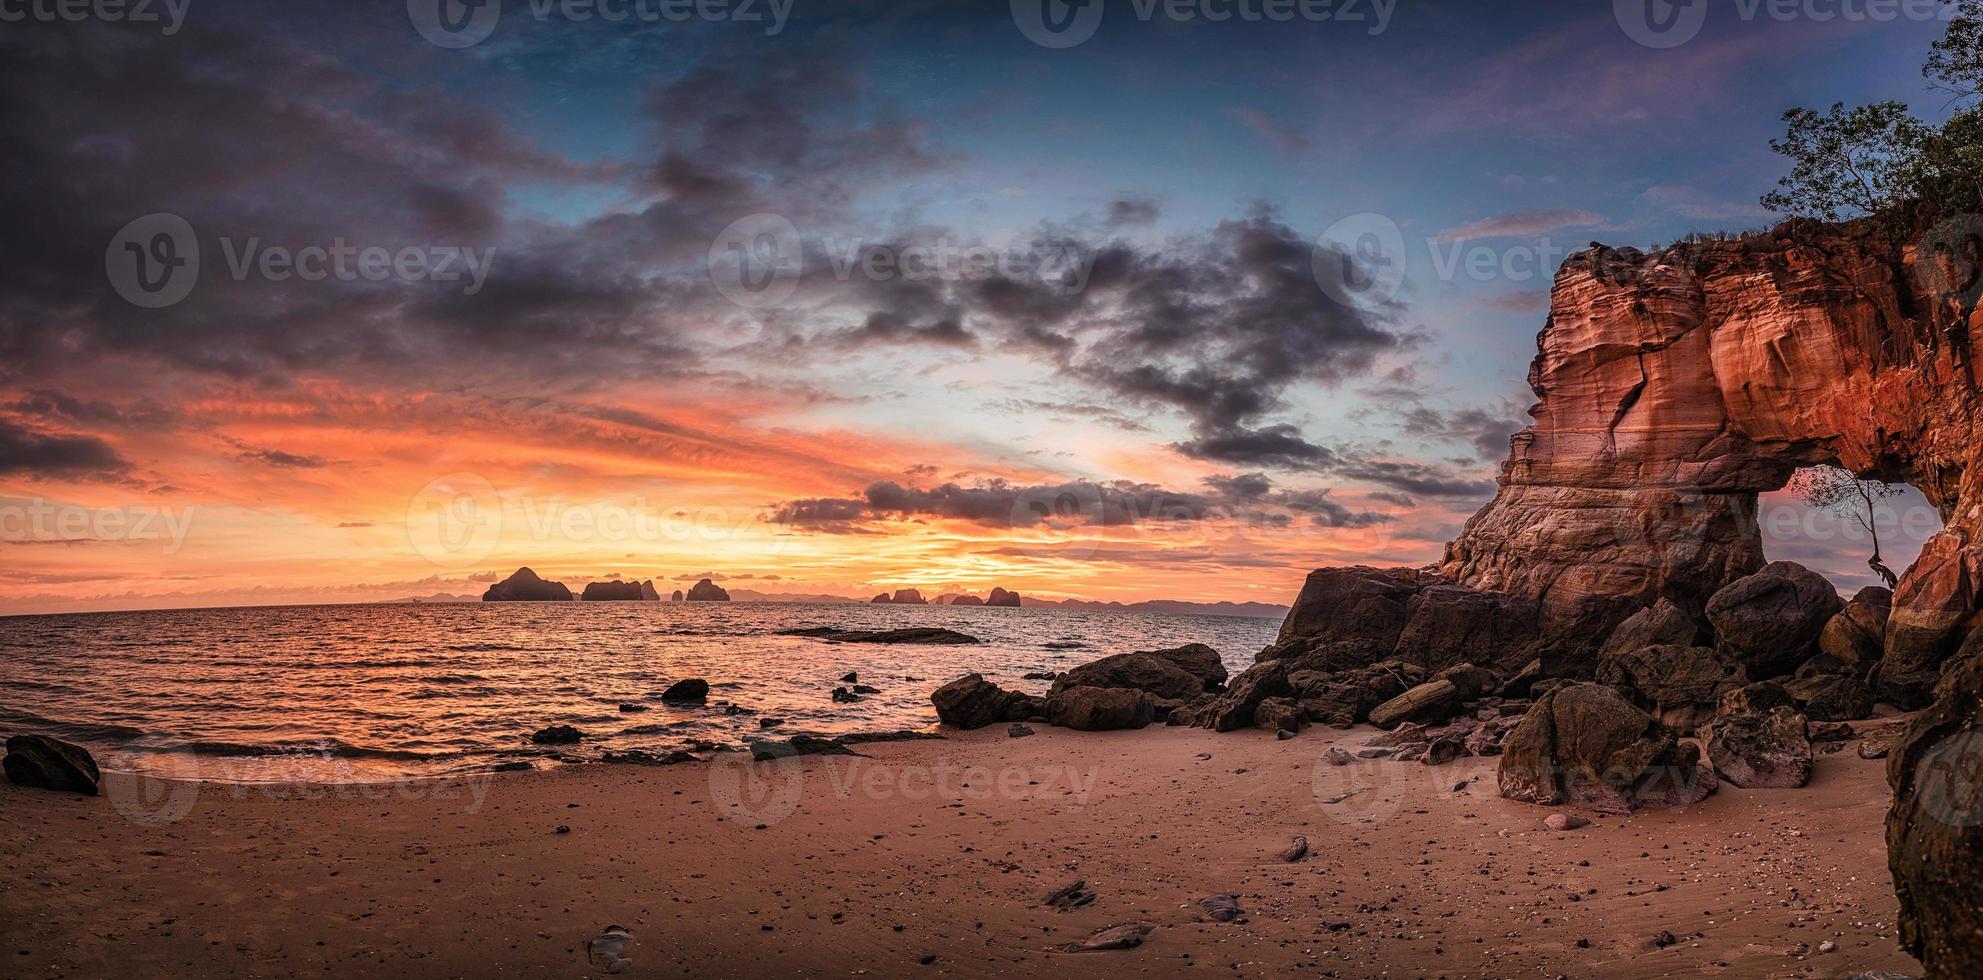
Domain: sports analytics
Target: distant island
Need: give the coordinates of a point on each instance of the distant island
(526, 586)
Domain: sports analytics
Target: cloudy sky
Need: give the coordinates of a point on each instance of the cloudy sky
(311, 301)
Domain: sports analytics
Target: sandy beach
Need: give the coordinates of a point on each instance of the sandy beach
(936, 856)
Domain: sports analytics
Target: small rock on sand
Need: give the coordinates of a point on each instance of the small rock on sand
(1071, 896)
(1296, 850)
(609, 949)
(1338, 757)
(1018, 730)
(1127, 936)
(1221, 908)
(1565, 821)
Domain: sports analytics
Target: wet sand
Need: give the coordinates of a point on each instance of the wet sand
(935, 857)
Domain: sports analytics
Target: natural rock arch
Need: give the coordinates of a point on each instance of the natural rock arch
(1674, 387)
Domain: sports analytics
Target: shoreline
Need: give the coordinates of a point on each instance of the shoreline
(946, 849)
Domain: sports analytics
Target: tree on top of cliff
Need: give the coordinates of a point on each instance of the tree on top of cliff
(1834, 489)
(1875, 159)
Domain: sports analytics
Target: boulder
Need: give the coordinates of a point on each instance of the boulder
(1278, 715)
(695, 690)
(1757, 698)
(707, 591)
(1361, 606)
(1344, 698)
(1234, 708)
(1179, 674)
(1853, 641)
(50, 763)
(1771, 620)
(1100, 709)
(1761, 750)
(1435, 700)
(1449, 624)
(1935, 609)
(973, 702)
(1663, 623)
(525, 586)
(556, 735)
(1935, 829)
(1000, 597)
(1585, 744)
(1833, 697)
(1682, 685)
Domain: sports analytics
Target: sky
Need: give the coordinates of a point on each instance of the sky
(327, 302)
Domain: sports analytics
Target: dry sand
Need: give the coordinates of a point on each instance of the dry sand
(933, 857)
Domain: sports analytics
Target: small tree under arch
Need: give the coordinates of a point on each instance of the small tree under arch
(1837, 490)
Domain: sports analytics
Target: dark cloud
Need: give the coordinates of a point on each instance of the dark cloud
(1002, 504)
(1487, 432)
(33, 452)
(1131, 211)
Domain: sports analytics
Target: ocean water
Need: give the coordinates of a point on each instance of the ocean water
(364, 693)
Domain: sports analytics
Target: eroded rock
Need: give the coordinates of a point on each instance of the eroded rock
(1585, 744)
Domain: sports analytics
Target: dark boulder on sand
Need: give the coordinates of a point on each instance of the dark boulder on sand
(50, 763)
(556, 735)
(973, 702)
(1178, 674)
(1761, 750)
(1585, 744)
(525, 586)
(1680, 684)
(1100, 709)
(1771, 620)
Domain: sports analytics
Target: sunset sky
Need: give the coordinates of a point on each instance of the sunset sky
(1058, 320)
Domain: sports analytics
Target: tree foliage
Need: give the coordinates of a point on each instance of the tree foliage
(1871, 160)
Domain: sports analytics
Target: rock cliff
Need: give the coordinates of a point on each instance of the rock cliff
(1672, 388)
(707, 591)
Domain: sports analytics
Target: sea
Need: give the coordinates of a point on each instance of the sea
(368, 693)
